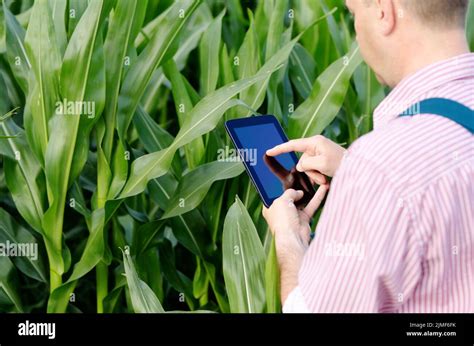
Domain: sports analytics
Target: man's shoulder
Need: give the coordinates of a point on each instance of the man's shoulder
(416, 150)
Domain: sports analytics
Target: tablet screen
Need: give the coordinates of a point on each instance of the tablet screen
(255, 141)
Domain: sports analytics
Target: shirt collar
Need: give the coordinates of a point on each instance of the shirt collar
(414, 87)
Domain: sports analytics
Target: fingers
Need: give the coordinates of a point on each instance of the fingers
(290, 196)
(312, 163)
(316, 177)
(301, 145)
(316, 201)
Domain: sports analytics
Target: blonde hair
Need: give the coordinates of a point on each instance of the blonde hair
(439, 12)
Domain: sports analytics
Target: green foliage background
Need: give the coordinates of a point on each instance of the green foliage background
(139, 189)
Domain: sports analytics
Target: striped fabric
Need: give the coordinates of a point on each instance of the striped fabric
(397, 231)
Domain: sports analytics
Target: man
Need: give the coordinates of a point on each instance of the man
(397, 230)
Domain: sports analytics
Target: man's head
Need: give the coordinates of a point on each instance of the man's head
(397, 37)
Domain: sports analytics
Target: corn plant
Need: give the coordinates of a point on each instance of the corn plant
(114, 155)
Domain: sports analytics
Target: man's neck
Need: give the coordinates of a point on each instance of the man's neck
(422, 53)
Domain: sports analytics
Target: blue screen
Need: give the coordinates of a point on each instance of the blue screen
(260, 138)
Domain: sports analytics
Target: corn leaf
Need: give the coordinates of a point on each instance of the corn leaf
(116, 45)
(249, 59)
(154, 165)
(45, 60)
(94, 249)
(16, 51)
(58, 9)
(183, 104)
(23, 174)
(76, 10)
(32, 266)
(150, 59)
(78, 69)
(194, 239)
(272, 281)
(243, 261)
(326, 98)
(209, 47)
(275, 28)
(9, 286)
(302, 70)
(470, 25)
(194, 186)
(143, 298)
(203, 118)
(190, 230)
(190, 37)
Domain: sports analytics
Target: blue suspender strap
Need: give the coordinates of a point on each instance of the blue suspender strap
(450, 109)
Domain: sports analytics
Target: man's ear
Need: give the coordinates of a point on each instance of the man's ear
(386, 15)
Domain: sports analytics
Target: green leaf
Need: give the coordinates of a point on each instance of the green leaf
(470, 25)
(59, 299)
(257, 92)
(275, 28)
(200, 283)
(76, 10)
(183, 104)
(32, 266)
(194, 186)
(203, 118)
(23, 174)
(212, 208)
(2, 32)
(119, 37)
(9, 286)
(180, 282)
(91, 256)
(94, 249)
(209, 55)
(190, 230)
(369, 94)
(190, 38)
(244, 261)
(79, 73)
(16, 51)
(302, 70)
(45, 60)
(150, 59)
(145, 237)
(249, 59)
(58, 8)
(272, 281)
(119, 170)
(143, 298)
(104, 173)
(326, 98)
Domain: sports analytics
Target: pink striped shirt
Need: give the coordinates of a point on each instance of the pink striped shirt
(397, 231)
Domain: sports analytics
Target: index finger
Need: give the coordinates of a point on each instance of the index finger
(301, 145)
(316, 201)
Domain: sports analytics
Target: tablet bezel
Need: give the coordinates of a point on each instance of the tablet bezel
(231, 125)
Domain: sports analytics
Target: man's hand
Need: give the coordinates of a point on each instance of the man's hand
(291, 230)
(321, 156)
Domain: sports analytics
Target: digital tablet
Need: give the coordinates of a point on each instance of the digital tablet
(271, 176)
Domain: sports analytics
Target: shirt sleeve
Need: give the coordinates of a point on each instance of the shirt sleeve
(295, 302)
(365, 256)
